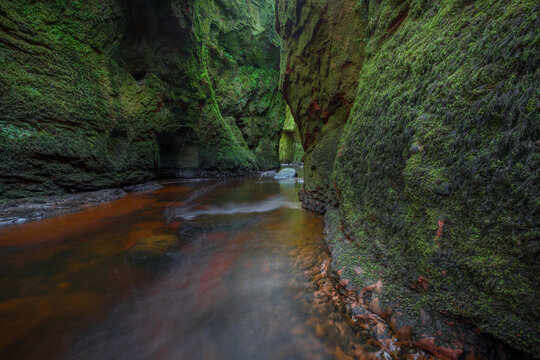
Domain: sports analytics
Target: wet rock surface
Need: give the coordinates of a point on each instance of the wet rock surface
(319, 73)
(317, 200)
(270, 173)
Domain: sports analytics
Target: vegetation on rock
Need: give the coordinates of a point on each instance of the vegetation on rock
(420, 122)
(320, 63)
(104, 93)
(434, 155)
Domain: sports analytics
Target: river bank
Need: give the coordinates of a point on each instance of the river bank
(159, 225)
(383, 308)
(19, 211)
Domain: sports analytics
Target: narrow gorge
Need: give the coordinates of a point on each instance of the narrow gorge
(142, 215)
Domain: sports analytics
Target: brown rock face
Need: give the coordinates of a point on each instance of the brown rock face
(320, 68)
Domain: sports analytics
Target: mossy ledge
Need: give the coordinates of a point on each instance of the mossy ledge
(420, 121)
(95, 94)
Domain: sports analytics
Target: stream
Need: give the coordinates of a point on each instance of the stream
(198, 269)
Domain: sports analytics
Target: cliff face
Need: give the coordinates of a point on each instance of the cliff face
(321, 61)
(433, 155)
(103, 93)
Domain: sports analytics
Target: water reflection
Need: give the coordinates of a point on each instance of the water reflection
(195, 270)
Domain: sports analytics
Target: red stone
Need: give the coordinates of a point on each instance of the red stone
(443, 353)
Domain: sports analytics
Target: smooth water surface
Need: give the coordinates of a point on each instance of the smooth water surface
(201, 269)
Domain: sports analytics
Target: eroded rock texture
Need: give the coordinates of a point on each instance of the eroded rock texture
(107, 92)
(320, 68)
(422, 119)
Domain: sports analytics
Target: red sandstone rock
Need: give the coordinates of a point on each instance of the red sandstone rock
(443, 353)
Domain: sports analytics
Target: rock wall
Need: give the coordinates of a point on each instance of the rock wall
(430, 174)
(320, 68)
(102, 93)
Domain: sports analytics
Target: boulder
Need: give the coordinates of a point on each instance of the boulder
(287, 173)
(271, 173)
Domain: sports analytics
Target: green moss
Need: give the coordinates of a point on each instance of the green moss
(441, 138)
(104, 95)
(457, 82)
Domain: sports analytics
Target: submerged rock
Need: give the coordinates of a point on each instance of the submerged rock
(287, 173)
(153, 246)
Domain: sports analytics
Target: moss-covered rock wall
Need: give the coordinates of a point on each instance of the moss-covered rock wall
(435, 168)
(106, 92)
(320, 66)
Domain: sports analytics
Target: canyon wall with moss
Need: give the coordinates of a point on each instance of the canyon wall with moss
(103, 93)
(320, 63)
(421, 125)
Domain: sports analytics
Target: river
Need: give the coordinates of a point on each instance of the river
(198, 269)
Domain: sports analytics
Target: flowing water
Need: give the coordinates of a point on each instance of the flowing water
(201, 269)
